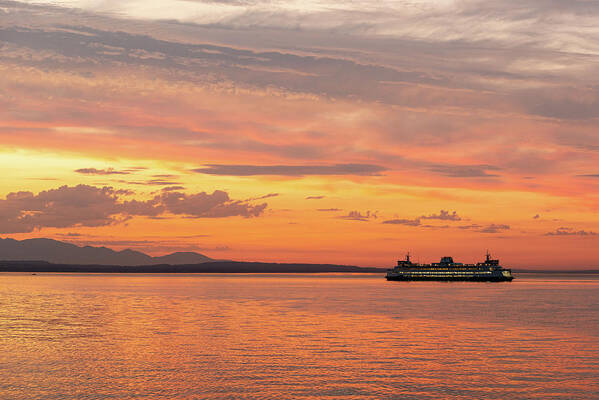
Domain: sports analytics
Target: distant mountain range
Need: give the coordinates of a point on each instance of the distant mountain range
(48, 255)
(58, 252)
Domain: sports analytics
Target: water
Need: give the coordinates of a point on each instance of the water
(102, 336)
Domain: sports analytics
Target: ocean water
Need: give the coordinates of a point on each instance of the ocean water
(103, 336)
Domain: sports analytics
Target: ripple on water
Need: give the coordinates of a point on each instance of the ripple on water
(296, 336)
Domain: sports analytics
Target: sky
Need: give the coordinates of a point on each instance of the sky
(304, 131)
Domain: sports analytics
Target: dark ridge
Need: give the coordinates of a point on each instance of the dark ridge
(229, 267)
(57, 252)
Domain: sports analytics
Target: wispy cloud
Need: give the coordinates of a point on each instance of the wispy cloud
(172, 188)
(107, 171)
(152, 182)
(403, 221)
(359, 216)
(291, 170)
(444, 216)
(266, 196)
(493, 228)
(416, 222)
(471, 226)
(464, 171)
(564, 231)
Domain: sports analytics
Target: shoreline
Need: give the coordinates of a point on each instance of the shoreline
(210, 267)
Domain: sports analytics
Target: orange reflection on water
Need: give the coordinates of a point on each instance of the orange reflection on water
(267, 336)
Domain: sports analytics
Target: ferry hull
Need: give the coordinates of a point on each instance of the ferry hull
(451, 278)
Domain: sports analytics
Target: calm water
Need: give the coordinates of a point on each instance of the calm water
(72, 336)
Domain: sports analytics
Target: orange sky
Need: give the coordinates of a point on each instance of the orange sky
(299, 137)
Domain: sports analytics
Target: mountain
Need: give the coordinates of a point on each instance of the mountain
(182, 257)
(54, 251)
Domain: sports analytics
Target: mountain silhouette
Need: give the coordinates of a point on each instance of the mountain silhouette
(54, 251)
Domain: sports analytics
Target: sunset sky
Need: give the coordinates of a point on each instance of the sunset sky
(304, 131)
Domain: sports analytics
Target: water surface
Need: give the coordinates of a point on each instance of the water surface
(117, 336)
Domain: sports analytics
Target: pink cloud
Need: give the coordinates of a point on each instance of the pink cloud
(84, 205)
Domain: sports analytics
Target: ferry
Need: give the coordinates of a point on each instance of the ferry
(448, 270)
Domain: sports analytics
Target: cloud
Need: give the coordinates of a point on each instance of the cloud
(341, 65)
(328, 209)
(472, 226)
(85, 205)
(291, 170)
(314, 197)
(494, 228)
(152, 182)
(124, 192)
(588, 176)
(94, 171)
(563, 103)
(563, 231)
(204, 205)
(65, 206)
(333, 59)
(326, 74)
(436, 226)
(464, 171)
(172, 188)
(537, 216)
(443, 215)
(400, 221)
(266, 196)
(358, 216)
